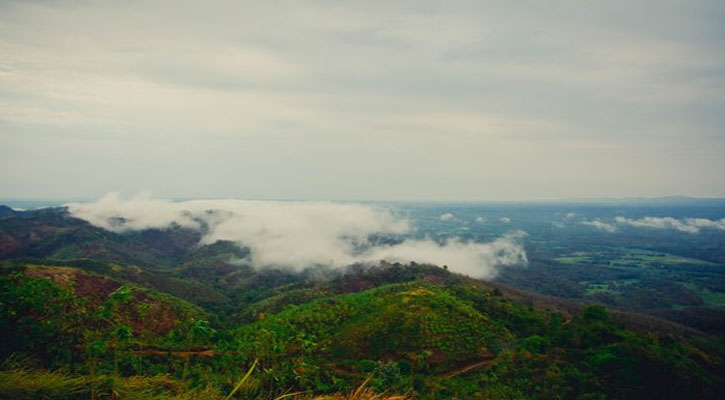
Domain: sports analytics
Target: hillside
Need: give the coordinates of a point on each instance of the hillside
(88, 313)
(436, 335)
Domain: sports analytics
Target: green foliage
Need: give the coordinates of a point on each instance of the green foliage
(595, 313)
(455, 339)
(389, 376)
(33, 313)
(536, 344)
(198, 330)
(122, 333)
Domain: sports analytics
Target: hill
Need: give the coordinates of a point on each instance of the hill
(436, 334)
(88, 313)
(6, 211)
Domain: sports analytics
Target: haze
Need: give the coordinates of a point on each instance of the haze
(369, 100)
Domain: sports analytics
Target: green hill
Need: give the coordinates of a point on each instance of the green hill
(87, 313)
(422, 337)
(437, 335)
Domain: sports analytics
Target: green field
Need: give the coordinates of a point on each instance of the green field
(645, 279)
(610, 287)
(632, 258)
(711, 298)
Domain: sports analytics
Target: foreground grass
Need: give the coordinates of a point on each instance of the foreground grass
(25, 384)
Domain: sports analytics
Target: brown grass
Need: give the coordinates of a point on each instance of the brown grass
(364, 392)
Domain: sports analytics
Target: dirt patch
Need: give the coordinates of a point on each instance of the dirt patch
(434, 279)
(354, 285)
(7, 244)
(147, 316)
(90, 285)
(470, 367)
(436, 357)
(63, 277)
(81, 283)
(157, 318)
(183, 354)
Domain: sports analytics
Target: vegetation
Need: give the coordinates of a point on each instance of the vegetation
(199, 325)
(433, 340)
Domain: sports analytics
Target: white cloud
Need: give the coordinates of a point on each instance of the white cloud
(460, 256)
(447, 217)
(689, 225)
(505, 220)
(600, 225)
(481, 220)
(301, 234)
(706, 223)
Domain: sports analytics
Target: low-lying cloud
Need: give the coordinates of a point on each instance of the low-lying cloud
(299, 235)
(601, 225)
(689, 225)
(447, 217)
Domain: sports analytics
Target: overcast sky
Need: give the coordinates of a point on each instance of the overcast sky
(362, 100)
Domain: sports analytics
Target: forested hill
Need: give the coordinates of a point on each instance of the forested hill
(88, 313)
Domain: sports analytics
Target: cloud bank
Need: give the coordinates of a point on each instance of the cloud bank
(689, 225)
(601, 225)
(299, 235)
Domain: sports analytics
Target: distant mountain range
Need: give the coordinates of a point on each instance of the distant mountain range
(665, 201)
(654, 201)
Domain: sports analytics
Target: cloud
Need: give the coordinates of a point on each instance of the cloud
(689, 225)
(600, 225)
(299, 235)
(447, 217)
(221, 91)
(505, 220)
(462, 256)
(570, 215)
(481, 220)
(706, 223)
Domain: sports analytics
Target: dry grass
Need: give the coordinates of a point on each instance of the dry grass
(25, 384)
(22, 384)
(364, 392)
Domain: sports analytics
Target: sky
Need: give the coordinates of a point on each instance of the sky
(362, 100)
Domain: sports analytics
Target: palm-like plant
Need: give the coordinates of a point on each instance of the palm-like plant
(198, 330)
